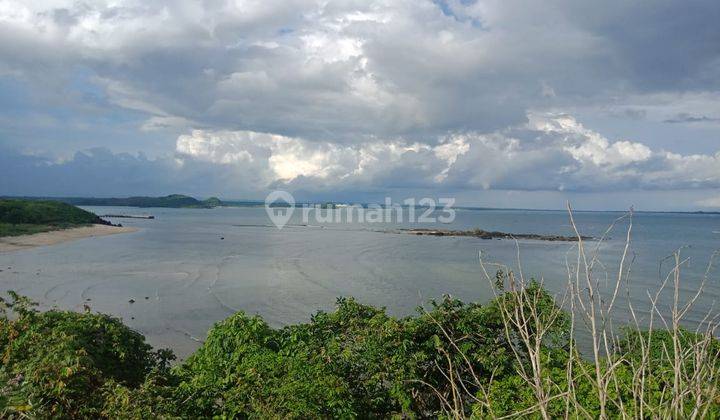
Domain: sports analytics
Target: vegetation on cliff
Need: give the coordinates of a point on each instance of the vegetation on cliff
(171, 201)
(19, 217)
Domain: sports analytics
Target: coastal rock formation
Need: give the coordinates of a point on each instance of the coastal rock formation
(484, 234)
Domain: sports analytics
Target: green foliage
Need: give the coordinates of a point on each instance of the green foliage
(241, 370)
(11, 229)
(19, 217)
(661, 356)
(56, 363)
(172, 201)
(353, 362)
(661, 346)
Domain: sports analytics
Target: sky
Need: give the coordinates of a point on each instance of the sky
(498, 103)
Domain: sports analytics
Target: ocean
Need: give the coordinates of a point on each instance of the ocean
(189, 268)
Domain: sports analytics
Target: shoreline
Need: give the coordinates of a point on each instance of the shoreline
(54, 237)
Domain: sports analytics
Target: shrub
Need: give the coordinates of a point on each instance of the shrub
(55, 363)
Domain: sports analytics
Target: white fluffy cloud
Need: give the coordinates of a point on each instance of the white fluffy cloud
(550, 152)
(285, 159)
(587, 146)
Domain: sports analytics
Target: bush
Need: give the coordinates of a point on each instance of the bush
(454, 359)
(55, 363)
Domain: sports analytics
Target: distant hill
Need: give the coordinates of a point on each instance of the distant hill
(20, 217)
(171, 201)
(213, 202)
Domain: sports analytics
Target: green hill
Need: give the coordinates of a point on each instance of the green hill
(20, 217)
(171, 201)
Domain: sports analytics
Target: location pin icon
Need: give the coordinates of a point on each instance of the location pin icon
(279, 206)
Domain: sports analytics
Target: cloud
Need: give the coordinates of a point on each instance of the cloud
(241, 96)
(287, 159)
(555, 152)
(101, 173)
(712, 202)
(549, 152)
(346, 70)
(629, 113)
(687, 118)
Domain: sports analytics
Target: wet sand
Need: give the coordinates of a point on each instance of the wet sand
(16, 243)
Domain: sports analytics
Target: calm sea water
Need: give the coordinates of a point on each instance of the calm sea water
(184, 277)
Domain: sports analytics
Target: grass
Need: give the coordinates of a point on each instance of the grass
(10, 229)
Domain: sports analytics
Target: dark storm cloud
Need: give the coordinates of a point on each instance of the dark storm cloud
(657, 45)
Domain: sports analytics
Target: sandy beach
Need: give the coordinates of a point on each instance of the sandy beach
(16, 243)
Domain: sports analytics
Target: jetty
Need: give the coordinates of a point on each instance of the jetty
(128, 216)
